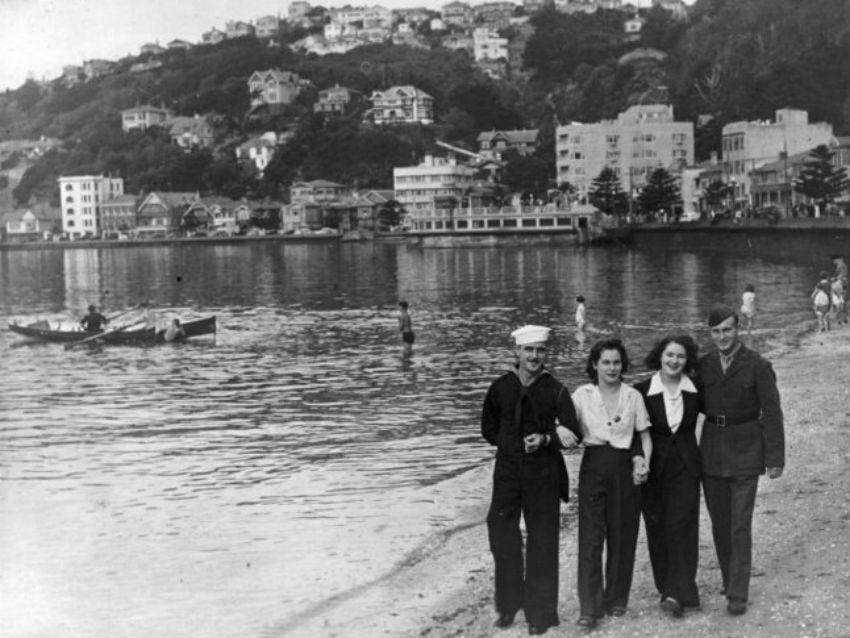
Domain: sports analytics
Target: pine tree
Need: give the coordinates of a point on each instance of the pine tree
(819, 179)
(660, 193)
(607, 193)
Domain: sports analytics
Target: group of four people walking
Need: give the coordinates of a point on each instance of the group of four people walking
(641, 454)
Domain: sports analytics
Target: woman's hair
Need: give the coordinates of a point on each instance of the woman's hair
(596, 353)
(653, 359)
(748, 288)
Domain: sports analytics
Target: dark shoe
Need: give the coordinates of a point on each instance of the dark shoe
(588, 623)
(672, 607)
(537, 630)
(736, 606)
(617, 610)
(504, 621)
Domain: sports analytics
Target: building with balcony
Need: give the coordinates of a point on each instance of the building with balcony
(642, 138)
(746, 146)
(118, 215)
(487, 45)
(267, 27)
(337, 100)
(458, 14)
(436, 182)
(81, 197)
(401, 105)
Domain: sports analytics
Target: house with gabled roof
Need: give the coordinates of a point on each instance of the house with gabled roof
(336, 99)
(258, 150)
(274, 87)
(177, 43)
(191, 132)
(493, 143)
(152, 48)
(401, 105)
(368, 205)
(162, 211)
(213, 36)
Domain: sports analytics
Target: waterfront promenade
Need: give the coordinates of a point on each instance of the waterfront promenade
(801, 554)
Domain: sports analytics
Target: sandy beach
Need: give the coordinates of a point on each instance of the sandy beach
(801, 564)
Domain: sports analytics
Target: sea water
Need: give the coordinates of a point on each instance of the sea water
(222, 486)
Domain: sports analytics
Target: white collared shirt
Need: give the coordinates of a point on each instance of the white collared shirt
(616, 430)
(673, 404)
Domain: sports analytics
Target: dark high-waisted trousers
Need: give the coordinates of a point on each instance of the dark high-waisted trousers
(608, 516)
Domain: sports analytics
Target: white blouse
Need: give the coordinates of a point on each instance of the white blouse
(673, 404)
(616, 430)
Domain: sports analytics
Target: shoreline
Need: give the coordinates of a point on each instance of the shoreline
(801, 554)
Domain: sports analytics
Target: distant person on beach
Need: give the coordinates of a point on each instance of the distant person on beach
(94, 321)
(840, 269)
(748, 307)
(671, 496)
(614, 463)
(840, 286)
(405, 326)
(822, 302)
(529, 416)
(743, 437)
(581, 313)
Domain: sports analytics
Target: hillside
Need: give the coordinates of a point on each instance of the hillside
(731, 60)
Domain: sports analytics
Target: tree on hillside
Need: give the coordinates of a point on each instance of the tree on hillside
(661, 193)
(527, 174)
(606, 193)
(819, 179)
(389, 215)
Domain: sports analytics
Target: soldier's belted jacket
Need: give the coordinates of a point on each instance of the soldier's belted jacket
(746, 399)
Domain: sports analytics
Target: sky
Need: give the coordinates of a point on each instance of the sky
(39, 37)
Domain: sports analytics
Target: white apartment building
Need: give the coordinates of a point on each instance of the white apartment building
(642, 138)
(81, 197)
(487, 45)
(749, 145)
(436, 180)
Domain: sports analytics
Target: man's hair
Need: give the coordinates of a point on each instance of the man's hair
(403, 304)
(596, 353)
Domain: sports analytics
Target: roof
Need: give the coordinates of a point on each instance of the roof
(171, 198)
(405, 90)
(318, 183)
(517, 137)
(285, 77)
(186, 124)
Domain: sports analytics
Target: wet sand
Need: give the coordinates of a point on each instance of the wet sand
(801, 529)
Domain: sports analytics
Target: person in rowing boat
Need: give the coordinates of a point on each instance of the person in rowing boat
(174, 331)
(94, 321)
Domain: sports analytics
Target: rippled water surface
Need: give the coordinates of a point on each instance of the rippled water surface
(228, 486)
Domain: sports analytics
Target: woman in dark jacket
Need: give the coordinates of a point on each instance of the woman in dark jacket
(671, 496)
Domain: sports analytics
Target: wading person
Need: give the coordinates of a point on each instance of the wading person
(612, 467)
(405, 327)
(529, 416)
(671, 494)
(743, 437)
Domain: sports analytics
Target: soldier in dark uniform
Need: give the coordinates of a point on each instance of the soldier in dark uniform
(519, 418)
(743, 437)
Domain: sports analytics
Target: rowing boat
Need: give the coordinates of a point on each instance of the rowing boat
(139, 337)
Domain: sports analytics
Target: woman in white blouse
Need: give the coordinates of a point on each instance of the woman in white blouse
(671, 496)
(612, 467)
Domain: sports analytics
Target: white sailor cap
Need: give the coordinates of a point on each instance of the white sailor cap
(530, 334)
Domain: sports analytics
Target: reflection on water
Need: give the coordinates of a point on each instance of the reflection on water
(224, 486)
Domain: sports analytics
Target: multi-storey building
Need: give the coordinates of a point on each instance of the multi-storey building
(401, 105)
(748, 145)
(213, 36)
(336, 99)
(436, 182)
(118, 215)
(363, 17)
(143, 116)
(238, 29)
(458, 14)
(81, 197)
(641, 139)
